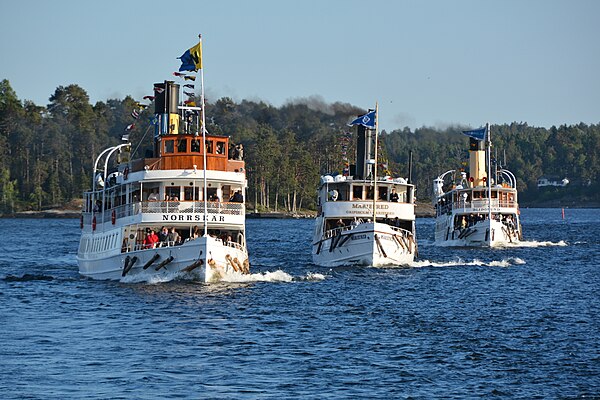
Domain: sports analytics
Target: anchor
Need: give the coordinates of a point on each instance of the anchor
(165, 262)
(193, 266)
(129, 262)
(149, 263)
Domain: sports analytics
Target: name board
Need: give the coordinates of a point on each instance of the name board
(370, 205)
(192, 218)
(364, 209)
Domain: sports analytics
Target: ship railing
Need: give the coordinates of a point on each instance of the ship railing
(336, 231)
(402, 231)
(339, 230)
(444, 208)
(117, 212)
(447, 208)
(142, 246)
(484, 203)
(191, 207)
(235, 245)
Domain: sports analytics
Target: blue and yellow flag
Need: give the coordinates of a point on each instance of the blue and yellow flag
(191, 60)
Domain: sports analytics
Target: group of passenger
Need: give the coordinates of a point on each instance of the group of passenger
(466, 221)
(236, 197)
(236, 152)
(165, 237)
(334, 195)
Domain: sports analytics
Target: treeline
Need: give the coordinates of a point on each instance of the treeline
(47, 152)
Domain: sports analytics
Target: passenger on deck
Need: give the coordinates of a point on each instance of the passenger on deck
(153, 196)
(174, 237)
(151, 239)
(394, 196)
(196, 233)
(333, 195)
(237, 197)
(240, 152)
(163, 235)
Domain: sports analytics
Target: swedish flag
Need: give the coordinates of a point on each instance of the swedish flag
(191, 60)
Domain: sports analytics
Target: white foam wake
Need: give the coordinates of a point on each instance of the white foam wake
(237, 277)
(535, 243)
(507, 262)
(275, 276)
(232, 277)
(153, 279)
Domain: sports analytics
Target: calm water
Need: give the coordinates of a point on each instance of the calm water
(509, 323)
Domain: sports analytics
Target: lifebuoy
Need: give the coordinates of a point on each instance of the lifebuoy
(81, 222)
(113, 217)
(94, 223)
(125, 173)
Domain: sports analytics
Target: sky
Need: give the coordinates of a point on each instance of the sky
(425, 63)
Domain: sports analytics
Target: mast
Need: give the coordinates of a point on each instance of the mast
(203, 117)
(375, 166)
(489, 174)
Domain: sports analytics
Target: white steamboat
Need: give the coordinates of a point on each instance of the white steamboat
(363, 219)
(473, 210)
(189, 192)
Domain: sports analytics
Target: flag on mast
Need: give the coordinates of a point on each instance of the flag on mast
(367, 120)
(479, 134)
(191, 60)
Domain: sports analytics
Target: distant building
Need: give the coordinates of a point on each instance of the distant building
(544, 181)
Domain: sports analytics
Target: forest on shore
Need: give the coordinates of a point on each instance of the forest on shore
(47, 151)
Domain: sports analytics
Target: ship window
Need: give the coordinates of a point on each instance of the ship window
(169, 146)
(220, 147)
(382, 190)
(209, 146)
(357, 192)
(195, 146)
(191, 193)
(226, 192)
(172, 193)
(182, 146)
(370, 192)
(211, 193)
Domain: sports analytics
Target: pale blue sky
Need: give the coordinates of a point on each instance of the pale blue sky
(429, 63)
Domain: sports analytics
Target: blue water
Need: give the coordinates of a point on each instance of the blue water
(514, 323)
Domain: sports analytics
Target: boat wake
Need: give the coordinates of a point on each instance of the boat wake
(534, 243)
(276, 276)
(507, 262)
(233, 277)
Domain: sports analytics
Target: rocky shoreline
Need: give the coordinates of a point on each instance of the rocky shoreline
(54, 213)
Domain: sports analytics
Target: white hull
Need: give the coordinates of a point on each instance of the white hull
(366, 244)
(478, 208)
(205, 258)
(481, 234)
